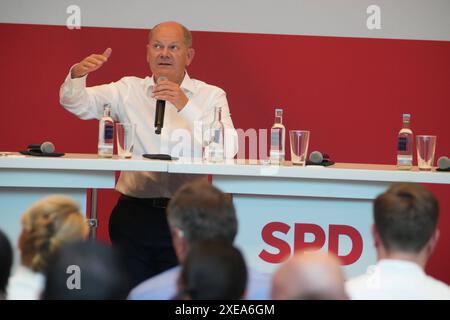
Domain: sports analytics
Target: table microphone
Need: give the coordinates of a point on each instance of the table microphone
(159, 112)
(317, 157)
(45, 147)
(443, 163)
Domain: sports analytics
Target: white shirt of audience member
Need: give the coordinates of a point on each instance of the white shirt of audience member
(25, 284)
(393, 279)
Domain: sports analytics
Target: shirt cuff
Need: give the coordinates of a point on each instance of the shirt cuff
(75, 83)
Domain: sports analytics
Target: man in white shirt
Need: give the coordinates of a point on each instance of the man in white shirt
(138, 222)
(405, 234)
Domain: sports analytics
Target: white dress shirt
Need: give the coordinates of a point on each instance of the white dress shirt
(131, 101)
(25, 284)
(396, 280)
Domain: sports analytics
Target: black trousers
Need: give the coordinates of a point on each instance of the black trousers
(139, 229)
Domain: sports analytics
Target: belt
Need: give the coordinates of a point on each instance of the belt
(151, 202)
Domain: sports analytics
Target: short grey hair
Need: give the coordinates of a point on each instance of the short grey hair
(187, 34)
(203, 212)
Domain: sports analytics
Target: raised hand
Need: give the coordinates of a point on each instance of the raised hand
(90, 63)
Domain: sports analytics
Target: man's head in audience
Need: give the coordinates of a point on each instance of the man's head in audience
(406, 218)
(86, 271)
(213, 270)
(6, 260)
(198, 212)
(309, 276)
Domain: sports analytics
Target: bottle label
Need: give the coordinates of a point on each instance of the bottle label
(109, 132)
(216, 137)
(275, 139)
(402, 144)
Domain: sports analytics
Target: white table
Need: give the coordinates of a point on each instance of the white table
(280, 208)
(24, 180)
(285, 208)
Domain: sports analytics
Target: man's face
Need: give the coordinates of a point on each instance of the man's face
(167, 52)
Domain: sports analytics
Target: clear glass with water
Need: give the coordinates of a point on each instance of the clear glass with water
(125, 139)
(426, 147)
(299, 146)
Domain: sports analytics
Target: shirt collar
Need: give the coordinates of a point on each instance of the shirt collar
(187, 85)
(402, 266)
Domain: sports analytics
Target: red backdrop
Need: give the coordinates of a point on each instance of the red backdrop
(349, 92)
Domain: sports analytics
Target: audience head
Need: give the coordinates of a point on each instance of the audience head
(48, 225)
(197, 212)
(213, 271)
(406, 218)
(6, 260)
(309, 276)
(102, 275)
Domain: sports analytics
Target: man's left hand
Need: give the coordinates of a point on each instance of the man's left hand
(170, 91)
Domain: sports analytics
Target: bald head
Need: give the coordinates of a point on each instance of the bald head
(174, 27)
(312, 275)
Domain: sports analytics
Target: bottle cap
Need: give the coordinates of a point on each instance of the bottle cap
(278, 111)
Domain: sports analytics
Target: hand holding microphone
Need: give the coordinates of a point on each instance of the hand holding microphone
(170, 91)
(160, 108)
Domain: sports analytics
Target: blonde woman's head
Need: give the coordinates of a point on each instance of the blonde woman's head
(48, 225)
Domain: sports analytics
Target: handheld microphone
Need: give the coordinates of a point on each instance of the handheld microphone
(159, 112)
(317, 157)
(443, 163)
(45, 147)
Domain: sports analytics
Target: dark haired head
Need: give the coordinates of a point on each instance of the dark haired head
(213, 271)
(406, 217)
(101, 274)
(6, 260)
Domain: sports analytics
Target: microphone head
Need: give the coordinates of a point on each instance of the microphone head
(316, 157)
(161, 78)
(47, 147)
(443, 163)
